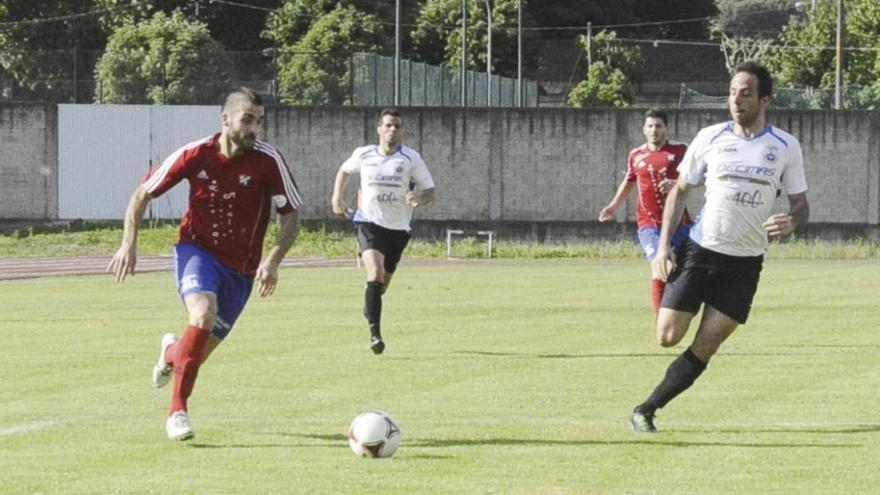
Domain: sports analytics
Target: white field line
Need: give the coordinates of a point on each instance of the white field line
(25, 427)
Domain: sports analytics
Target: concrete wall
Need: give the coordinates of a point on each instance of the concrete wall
(28, 162)
(504, 167)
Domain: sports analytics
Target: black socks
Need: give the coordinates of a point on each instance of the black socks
(680, 375)
(373, 306)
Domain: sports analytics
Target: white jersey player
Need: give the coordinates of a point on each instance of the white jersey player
(744, 164)
(394, 181)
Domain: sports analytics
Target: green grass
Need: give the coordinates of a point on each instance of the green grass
(506, 378)
(156, 239)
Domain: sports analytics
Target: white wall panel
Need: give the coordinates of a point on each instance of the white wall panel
(105, 150)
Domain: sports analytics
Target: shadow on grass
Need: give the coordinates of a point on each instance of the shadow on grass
(566, 356)
(816, 430)
(656, 439)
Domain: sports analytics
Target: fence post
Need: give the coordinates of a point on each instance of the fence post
(75, 99)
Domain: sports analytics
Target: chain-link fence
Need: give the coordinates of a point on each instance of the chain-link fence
(430, 85)
(70, 76)
(852, 98)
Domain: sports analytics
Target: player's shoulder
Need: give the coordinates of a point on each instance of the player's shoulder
(638, 149)
(365, 151)
(266, 148)
(677, 145)
(409, 153)
(783, 136)
(198, 144)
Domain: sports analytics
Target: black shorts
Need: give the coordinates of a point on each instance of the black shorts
(390, 243)
(727, 283)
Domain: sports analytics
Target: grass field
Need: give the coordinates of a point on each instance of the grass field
(506, 377)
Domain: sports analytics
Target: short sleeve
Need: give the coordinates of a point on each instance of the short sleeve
(353, 164)
(693, 166)
(794, 179)
(420, 173)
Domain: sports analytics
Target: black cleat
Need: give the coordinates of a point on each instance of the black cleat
(377, 345)
(642, 422)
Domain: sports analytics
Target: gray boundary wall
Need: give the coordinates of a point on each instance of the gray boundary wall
(501, 167)
(28, 162)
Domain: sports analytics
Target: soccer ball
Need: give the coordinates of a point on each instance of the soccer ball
(374, 434)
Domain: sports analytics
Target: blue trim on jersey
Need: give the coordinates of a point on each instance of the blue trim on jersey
(783, 141)
(400, 150)
(728, 127)
(373, 149)
(197, 271)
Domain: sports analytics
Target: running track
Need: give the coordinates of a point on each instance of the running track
(32, 267)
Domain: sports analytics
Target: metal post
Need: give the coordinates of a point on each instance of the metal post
(838, 69)
(519, 55)
(464, 53)
(589, 46)
(397, 54)
(489, 55)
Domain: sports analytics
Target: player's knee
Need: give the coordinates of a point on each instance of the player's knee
(668, 335)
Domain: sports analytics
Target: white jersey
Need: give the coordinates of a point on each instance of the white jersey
(743, 177)
(385, 180)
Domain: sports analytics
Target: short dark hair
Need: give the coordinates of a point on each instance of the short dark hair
(388, 111)
(765, 80)
(656, 113)
(243, 93)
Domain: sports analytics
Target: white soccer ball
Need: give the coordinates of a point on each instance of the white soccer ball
(374, 434)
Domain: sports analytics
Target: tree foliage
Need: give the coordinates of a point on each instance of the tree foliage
(613, 75)
(755, 19)
(316, 69)
(438, 33)
(805, 53)
(33, 36)
(168, 59)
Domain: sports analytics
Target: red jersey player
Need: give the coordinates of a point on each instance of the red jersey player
(653, 168)
(234, 181)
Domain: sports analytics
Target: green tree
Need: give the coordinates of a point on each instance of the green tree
(756, 19)
(605, 86)
(237, 25)
(316, 69)
(614, 74)
(804, 54)
(168, 59)
(437, 36)
(38, 41)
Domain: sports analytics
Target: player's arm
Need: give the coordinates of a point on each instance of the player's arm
(337, 202)
(423, 198)
(267, 272)
(125, 259)
(664, 263)
(798, 214)
(623, 191)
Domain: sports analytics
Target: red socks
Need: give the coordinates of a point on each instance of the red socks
(186, 356)
(657, 287)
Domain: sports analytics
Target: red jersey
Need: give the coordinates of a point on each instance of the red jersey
(649, 168)
(229, 198)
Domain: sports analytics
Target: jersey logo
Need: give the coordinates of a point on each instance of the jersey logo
(399, 169)
(671, 157)
(244, 180)
(202, 175)
(771, 154)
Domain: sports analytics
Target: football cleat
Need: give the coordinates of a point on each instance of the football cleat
(377, 345)
(162, 370)
(642, 422)
(178, 428)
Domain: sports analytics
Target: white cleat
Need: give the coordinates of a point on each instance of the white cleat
(178, 428)
(162, 370)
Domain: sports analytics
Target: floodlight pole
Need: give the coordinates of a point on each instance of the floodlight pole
(397, 54)
(489, 55)
(464, 53)
(519, 54)
(838, 69)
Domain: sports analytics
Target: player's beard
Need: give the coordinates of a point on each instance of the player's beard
(245, 141)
